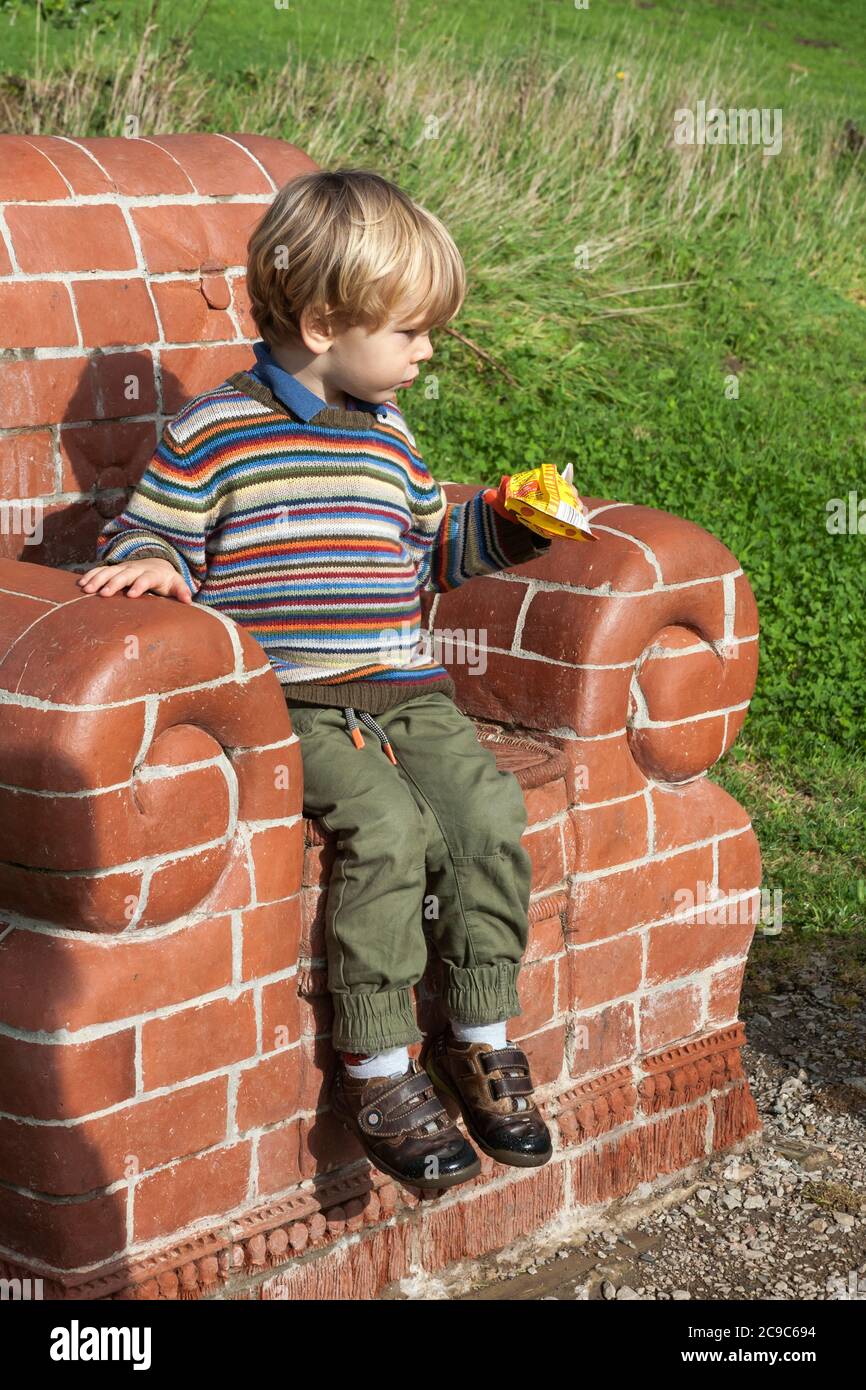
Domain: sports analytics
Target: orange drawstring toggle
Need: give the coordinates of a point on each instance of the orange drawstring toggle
(357, 736)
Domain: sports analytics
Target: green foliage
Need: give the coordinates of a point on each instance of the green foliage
(63, 14)
(757, 472)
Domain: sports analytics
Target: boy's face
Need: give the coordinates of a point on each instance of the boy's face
(373, 364)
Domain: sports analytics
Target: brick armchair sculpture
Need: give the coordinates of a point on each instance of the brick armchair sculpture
(164, 1020)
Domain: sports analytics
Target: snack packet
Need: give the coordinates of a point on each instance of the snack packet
(547, 502)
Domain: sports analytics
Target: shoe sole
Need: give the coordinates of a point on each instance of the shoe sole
(425, 1184)
(510, 1156)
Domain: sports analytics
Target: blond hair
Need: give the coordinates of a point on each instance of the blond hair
(355, 248)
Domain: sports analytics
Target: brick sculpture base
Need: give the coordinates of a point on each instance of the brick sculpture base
(610, 1135)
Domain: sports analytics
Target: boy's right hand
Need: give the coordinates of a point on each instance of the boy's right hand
(137, 577)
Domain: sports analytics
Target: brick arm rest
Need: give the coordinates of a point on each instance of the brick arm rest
(647, 638)
(141, 740)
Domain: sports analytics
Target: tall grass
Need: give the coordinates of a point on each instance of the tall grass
(526, 161)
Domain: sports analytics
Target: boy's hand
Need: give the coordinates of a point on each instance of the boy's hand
(495, 497)
(137, 577)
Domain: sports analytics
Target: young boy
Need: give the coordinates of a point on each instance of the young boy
(293, 498)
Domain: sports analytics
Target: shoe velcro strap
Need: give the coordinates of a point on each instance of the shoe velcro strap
(384, 1115)
(391, 1125)
(510, 1086)
(503, 1057)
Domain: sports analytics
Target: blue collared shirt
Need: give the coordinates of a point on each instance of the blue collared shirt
(294, 394)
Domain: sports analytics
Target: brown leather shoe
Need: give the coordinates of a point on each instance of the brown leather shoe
(493, 1088)
(403, 1128)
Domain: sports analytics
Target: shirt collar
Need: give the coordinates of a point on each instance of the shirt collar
(299, 398)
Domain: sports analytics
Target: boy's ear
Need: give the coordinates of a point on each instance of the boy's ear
(316, 333)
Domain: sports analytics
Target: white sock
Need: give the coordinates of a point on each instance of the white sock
(393, 1061)
(488, 1032)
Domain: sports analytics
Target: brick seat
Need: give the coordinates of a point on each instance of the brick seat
(165, 1049)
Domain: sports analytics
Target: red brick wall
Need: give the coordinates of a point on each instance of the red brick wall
(122, 293)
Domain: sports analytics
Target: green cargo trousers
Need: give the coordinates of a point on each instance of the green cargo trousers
(434, 838)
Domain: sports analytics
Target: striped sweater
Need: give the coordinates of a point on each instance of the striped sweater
(316, 535)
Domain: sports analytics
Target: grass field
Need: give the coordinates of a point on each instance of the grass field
(705, 353)
(825, 38)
